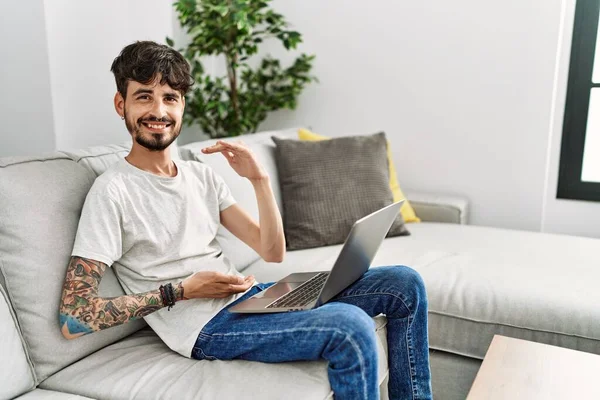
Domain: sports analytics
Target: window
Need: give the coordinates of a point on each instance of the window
(579, 174)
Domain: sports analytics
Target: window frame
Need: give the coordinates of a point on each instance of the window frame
(580, 85)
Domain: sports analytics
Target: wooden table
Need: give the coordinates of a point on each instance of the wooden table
(518, 369)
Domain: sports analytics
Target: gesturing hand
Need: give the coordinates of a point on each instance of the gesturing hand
(240, 158)
(212, 284)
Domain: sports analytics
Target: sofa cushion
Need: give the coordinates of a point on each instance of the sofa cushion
(99, 158)
(483, 281)
(263, 147)
(142, 367)
(16, 374)
(528, 285)
(41, 394)
(452, 375)
(327, 185)
(40, 202)
(407, 211)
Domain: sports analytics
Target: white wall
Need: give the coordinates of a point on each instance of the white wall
(463, 89)
(25, 104)
(192, 133)
(470, 93)
(561, 215)
(84, 37)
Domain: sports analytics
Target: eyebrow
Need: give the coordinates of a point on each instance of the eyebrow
(149, 91)
(142, 91)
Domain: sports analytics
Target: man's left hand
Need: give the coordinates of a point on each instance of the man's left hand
(240, 158)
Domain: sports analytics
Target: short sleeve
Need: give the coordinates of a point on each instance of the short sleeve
(224, 195)
(99, 234)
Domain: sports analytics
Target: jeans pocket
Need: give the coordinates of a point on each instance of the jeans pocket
(198, 354)
(198, 351)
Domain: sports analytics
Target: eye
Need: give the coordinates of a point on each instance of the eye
(143, 97)
(171, 99)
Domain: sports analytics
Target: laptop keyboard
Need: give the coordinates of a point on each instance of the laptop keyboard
(303, 294)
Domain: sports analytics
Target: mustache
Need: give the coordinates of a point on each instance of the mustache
(153, 119)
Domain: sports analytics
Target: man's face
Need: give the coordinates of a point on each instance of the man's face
(153, 113)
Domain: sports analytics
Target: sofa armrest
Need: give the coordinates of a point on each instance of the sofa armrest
(431, 207)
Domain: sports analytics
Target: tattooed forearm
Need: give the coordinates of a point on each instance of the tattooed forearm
(82, 311)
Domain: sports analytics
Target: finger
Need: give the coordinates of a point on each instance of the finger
(213, 149)
(240, 288)
(233, 146)
(231, 279)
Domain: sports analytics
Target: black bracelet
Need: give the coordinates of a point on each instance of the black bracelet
(172, 298)
(168, 295)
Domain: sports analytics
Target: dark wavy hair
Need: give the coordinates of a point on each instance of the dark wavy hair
(144, 61)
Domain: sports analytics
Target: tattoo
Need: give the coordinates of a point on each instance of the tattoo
(83, 312)
(179, 295)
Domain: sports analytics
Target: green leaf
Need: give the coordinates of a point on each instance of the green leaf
(222, 9)
(170, 41)
(234, 29)
(222, 109)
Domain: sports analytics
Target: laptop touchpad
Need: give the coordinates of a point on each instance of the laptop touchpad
(278, 290)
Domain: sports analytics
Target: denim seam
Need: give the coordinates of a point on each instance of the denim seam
(411, 357)
(371, 293)
(199, 349)
(352, 343)
(206, 335)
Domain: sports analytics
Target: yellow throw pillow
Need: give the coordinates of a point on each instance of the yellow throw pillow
(408, 213)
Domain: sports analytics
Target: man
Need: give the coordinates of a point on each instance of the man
(154, 220)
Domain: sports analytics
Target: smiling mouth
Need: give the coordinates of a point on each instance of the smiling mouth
(156, 126)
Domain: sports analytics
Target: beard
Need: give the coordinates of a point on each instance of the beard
(149, 140)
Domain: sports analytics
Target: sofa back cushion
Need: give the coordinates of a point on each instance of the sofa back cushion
(99, 158)
(40, 203)
(16, 375)
(264, 149)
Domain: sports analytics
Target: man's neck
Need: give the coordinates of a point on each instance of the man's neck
(156, 162)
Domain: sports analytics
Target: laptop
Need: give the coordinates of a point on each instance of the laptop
(308, 290)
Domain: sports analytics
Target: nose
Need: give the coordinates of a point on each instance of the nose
(158, 110)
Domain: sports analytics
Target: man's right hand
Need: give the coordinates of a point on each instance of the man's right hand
(215, 285)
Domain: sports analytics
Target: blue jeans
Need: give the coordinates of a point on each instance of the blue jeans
(341, 332)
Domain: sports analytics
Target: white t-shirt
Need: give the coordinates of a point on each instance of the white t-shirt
(154, 230)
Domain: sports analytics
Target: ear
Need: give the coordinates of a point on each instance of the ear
(119, 104)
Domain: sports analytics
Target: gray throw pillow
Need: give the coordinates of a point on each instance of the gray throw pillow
(327, 185)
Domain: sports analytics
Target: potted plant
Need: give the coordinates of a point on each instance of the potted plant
(239, 101)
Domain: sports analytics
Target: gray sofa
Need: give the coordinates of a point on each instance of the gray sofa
(480, 281)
